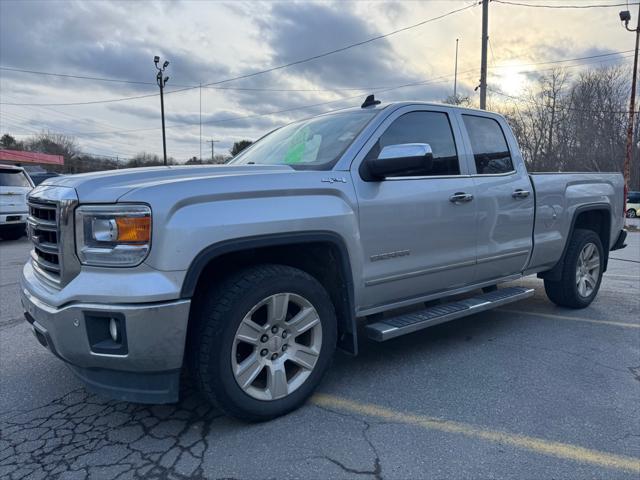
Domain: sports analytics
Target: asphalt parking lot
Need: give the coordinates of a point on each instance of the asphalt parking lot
(528, 391)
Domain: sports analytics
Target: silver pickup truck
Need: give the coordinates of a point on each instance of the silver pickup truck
(375, 221)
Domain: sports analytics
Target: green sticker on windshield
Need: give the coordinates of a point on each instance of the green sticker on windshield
(297, 144)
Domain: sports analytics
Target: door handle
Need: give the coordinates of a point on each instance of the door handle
(520, 193)
(460, 197)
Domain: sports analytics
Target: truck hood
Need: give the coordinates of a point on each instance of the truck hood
(109, 186)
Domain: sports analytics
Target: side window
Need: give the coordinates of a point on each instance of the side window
(489, 145)
(423, 127)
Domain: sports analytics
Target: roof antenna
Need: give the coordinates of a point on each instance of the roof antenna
(370, 101)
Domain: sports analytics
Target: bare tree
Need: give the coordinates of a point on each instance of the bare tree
(564, 123)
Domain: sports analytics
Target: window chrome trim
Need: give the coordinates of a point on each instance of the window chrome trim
(504, 174)
(426, 177)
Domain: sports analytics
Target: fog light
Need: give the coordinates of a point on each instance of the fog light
(113, 329)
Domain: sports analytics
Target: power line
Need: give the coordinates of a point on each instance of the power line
(589, 57)
(559, 107)
(93, 102)
(377, 90)
(83, 77)
(276, 112)
(565, 7)
(23, 119)
(342, 49)
(248, 75)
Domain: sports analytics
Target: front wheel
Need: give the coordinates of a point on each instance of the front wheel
(631, 213)
(263, 341)
(581, 272)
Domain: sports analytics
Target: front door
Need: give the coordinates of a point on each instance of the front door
(418, 238)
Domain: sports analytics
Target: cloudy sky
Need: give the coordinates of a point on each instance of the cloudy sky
(209, 42)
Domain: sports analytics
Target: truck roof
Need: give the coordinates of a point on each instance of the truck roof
(405, 103)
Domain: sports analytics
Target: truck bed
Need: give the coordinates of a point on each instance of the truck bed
(559, 197)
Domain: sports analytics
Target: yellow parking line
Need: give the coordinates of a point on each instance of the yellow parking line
(538, 445)
(575, 319)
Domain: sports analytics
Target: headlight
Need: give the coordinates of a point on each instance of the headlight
(113, 235)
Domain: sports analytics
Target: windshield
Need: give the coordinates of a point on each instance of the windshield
(315, 144)
(13, 178)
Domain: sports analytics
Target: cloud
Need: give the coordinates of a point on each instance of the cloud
(210, 41)
(299, 30)
(94, 39)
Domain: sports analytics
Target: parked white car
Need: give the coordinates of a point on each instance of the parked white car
(15, 184)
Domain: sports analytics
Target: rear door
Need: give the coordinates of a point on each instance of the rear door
(14, 187)
(504, 196)
(416, 240)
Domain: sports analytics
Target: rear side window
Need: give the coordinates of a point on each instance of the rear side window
(13, 178)
(489, 145)
(423, 127)
(634, 197)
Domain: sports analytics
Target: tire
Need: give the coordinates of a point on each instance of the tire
(13, 233)
(631, 213)
(574, 290)
(217, 348)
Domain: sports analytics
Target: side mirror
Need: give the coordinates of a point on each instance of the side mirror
(406, 158)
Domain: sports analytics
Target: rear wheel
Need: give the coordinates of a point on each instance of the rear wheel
(581, 273)
(265, 337)
(631, 213)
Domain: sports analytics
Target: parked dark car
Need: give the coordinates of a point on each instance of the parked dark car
(39, 177)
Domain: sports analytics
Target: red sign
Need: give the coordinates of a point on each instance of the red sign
(18, 156)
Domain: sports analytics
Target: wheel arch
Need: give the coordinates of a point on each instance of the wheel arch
(595, 217)
(322, 254)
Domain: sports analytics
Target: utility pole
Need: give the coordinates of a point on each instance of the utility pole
(212, 142)
(455, 75)
(625, 17)
(161, 80)
(200, 122)
(483, 61)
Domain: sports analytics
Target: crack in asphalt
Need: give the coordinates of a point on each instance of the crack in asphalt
(560, 350)
(80, 435)
(377, 465)
(11, 322)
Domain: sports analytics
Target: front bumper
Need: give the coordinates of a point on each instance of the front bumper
(13, 219)
(146, 370)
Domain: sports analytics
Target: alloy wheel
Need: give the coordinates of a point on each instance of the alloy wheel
(276, 346)
(587, 270)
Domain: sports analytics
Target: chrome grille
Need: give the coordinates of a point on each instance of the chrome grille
(44, 232)
(51, 229)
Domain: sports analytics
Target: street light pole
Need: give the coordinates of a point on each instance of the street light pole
(161, 80)
(625, 16)
(455, 75)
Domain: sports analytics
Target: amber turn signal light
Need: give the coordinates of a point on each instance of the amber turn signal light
(134, 229)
